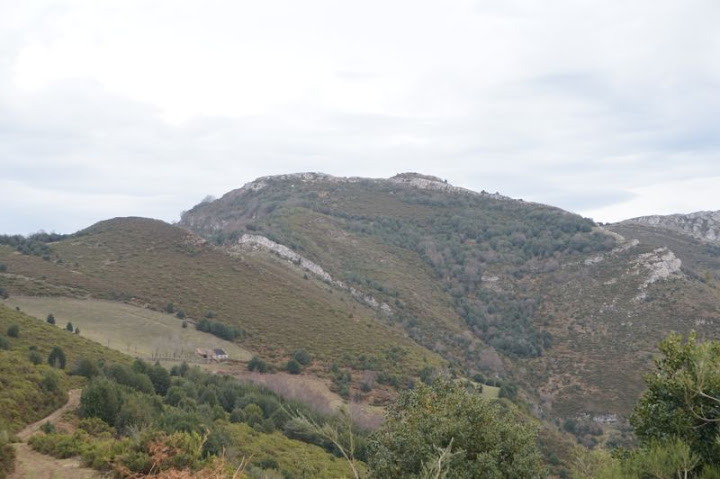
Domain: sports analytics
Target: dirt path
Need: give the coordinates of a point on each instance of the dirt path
(32, 465)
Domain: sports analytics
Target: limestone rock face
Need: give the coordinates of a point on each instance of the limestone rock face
(702, 225)
(660, 264)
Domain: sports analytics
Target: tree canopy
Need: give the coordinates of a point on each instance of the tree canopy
(683, 397)
(456, 432)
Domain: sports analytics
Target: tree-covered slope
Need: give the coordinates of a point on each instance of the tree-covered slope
(499, 287)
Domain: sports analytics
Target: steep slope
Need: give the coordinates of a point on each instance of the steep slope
(499, 287)
(30, 391)
(150, 263)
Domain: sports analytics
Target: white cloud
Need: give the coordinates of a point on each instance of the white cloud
(596, 107)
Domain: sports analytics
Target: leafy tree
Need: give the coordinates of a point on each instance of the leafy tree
(69, 326)
(101, 399)
(160, 379)
(682, 399)
(50, 319)
(474, 437)
(4, 343)
(13, 331)
(56, 358)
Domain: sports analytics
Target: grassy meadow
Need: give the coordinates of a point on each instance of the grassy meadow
(129, 329)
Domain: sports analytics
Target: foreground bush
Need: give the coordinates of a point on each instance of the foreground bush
(458, 433)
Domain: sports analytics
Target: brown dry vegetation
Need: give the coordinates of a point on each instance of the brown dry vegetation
(150, 262)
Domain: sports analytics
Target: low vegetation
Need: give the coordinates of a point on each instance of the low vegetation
(151, 263)
(129, 329)
(677, 419)
(130, 411)
(33, 367)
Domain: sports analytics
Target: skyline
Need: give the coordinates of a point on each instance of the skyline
(123, 108)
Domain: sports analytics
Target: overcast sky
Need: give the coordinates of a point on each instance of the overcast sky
(609, 108)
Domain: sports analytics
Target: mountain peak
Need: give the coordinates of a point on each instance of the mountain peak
(702, 225)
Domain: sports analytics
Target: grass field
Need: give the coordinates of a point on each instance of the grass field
(125, 328)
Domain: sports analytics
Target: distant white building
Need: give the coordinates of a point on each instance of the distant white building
(216, 354)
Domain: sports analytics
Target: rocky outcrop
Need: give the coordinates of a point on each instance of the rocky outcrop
(426, 182)
(255, 242)
(248, 241)
(412, 180)
(660, 264)
(702, 225)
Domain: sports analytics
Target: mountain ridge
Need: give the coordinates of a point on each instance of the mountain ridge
(702, 225)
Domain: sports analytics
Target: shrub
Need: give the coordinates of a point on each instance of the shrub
(180, 314)
(35, 357)
(257, 364)
(4, 343)
(85, 367)
(7, 455)
(445, 418)
(50, 319)
(47, 427)
(69, 327)
(293, 367)
(160, 379)
(220, 330)
(302, 356)
(56, 358)
(50, 382)
(13, 331)
(101, 399)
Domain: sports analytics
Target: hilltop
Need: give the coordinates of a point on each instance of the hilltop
(386, 281)
(701, 225)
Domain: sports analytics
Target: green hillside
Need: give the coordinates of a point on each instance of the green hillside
(30, 391)
(499, 287)
(417, 278)
(150, 263)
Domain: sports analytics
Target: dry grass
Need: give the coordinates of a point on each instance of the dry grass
(129, 329)
(154, 263)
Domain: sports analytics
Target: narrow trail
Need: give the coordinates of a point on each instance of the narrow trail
(32, 465)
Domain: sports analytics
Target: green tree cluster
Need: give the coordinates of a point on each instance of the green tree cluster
(677, 419)
(474, 437)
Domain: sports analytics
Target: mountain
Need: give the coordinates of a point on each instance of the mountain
(385, 280)
(503, 288)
